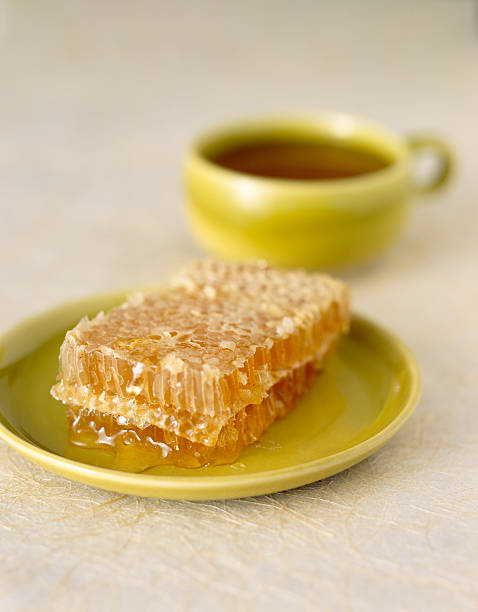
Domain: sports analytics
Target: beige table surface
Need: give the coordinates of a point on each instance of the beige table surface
(97, 103)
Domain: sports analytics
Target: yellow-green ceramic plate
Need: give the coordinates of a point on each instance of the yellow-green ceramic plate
(368, 389)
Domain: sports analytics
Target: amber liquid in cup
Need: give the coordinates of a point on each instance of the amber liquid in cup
(299, 160)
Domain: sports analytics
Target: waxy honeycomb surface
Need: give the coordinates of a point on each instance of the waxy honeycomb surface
(190, 356)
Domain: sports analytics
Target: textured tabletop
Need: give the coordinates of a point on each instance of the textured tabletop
(98, 101)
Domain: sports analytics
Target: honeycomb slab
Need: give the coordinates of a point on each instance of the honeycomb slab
(204, 355)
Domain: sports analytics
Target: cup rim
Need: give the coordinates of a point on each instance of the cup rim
(338, 125)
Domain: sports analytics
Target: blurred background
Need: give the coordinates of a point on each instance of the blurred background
(99, 101)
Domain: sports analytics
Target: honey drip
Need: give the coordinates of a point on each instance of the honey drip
(137, 449)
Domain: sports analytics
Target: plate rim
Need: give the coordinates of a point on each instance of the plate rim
(211, 487)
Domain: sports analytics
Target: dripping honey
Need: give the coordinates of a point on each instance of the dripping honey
(136, 449)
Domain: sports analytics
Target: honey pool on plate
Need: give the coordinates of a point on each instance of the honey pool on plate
(137, 449)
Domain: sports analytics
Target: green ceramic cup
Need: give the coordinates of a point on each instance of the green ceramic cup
(312, 223)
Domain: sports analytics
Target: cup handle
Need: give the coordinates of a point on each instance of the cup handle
(421, 144)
